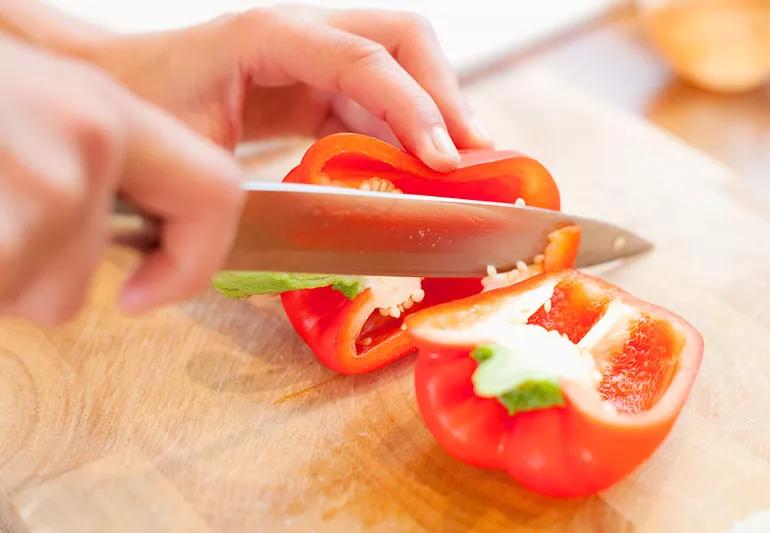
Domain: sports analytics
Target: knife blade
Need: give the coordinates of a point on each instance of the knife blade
(289, 227)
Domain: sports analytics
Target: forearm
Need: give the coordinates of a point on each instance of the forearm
(45, 27)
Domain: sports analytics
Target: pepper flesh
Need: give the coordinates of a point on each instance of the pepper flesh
(648, 362)
(350, 336)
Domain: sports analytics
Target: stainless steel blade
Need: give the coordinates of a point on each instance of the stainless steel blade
(307, 228)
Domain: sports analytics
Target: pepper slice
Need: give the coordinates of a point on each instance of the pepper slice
(563, 430)
(352, 336)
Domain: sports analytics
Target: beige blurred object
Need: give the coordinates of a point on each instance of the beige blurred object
(719, 45)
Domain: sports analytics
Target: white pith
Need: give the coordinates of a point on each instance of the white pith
(536, 349)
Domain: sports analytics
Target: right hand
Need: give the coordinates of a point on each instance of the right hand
(70, 140)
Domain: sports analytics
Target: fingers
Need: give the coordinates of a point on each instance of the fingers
(348, 116)
(65, 154)
(168, 171)
(412, 41)
(55, 276)
(363, 70)
(194, 187)
(59, 152)
(39, 203)
(55, 292)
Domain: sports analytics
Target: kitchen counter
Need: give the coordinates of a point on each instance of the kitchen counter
(213, 416)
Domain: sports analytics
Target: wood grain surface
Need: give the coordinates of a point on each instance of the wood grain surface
(213, 416)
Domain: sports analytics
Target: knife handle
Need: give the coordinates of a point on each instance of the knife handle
(129, 227)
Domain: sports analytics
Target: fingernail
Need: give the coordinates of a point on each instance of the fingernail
(479, 132)
(443, 143)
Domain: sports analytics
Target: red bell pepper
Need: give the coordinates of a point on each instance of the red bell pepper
(562, 426)
(351, 336)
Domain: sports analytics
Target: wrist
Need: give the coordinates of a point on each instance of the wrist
(48, 29)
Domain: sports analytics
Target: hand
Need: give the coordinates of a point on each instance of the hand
(70, 139)
(306, 71)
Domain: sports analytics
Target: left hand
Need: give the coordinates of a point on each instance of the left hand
(66, 151)
(307, 71)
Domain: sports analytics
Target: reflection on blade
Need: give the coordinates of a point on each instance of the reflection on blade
(310, 228)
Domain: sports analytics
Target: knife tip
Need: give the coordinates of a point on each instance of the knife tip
(631, 244)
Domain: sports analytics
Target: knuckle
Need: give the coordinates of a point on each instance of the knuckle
(360, 51)
(266, 14)
(414, 25)
(95, 130)
(62, 199)
(65, 195)
(259, 19)
(220, 187)
(230, 194)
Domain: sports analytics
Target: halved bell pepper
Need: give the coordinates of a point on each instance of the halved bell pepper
(350, 335)
(564, 381)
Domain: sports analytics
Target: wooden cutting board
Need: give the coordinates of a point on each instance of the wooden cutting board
(213, 416)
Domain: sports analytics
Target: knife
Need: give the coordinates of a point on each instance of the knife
(289, 227)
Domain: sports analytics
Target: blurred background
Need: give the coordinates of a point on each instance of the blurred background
(697, 68)
(470, 31)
